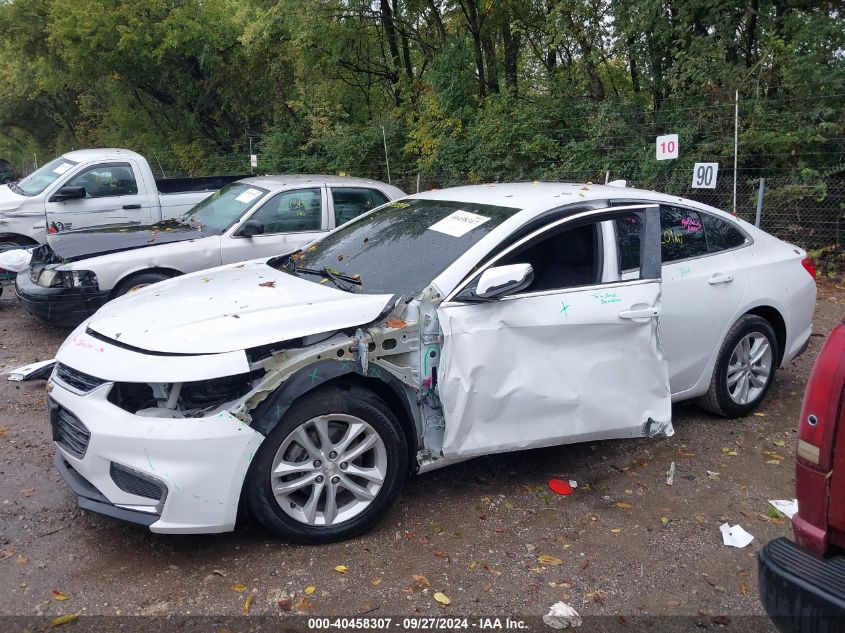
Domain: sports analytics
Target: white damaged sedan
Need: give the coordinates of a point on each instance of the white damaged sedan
(443, 326)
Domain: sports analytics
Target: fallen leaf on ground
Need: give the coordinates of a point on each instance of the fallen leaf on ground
(341, 569)
(545, 559)
(27, 492)
(63, 619)
(616, 530)
(60, 596)
(730, 452)
(593, 596)
(712, 475)
(442, 598)
(286, 604)
(759, 414)
(310, 589)
(779, 443)
(239, 587)
(441, 554)
(6, 553)
(773, 462)
(472, 565)
(302, 604)
(247, 603)
(420, 581)
(375, 582)
(665, 520)
(743, 588)
(623, 505)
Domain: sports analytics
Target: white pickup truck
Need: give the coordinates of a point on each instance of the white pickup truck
(95, 187)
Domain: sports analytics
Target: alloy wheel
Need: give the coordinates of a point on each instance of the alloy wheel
(750, 368)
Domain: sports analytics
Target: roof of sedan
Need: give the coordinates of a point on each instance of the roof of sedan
(544, 195)
(274, 181)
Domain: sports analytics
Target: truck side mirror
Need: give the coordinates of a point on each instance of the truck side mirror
(250, 228)
(68, 192)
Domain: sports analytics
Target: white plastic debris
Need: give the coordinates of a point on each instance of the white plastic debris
(735, 536)
(15, 259)
(670, 474)
(562, 616)
(785, 506)
(573, 483)
(32, 371)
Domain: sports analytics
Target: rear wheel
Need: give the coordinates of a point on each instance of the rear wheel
(330, 469)
(136, 282)
(745, 368)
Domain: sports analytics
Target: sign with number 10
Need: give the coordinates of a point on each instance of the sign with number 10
(667, 147)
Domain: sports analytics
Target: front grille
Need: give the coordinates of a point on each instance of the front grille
(70, 433)
(78, 380)
(134, 483)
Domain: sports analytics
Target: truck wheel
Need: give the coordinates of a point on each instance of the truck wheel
(330, 469)
(136, 282)
(745, 368)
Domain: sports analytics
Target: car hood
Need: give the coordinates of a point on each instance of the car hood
(234, 307)
(9, 200)
(70, 246)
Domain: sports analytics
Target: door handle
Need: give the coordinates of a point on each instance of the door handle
(131, 206)
(720, 279)
(641, 313)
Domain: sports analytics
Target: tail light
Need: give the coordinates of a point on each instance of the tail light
(808, 265)
(820, 410)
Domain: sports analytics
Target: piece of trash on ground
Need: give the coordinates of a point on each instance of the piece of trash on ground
(735, 536)
(32, 371)
(562, 616)
(560, 486)
(785, 506)
(670, 474)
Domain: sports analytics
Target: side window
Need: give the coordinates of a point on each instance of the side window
(291, 212)
(565, 259)
(103, 181)
(721, 234)
(682, 234)
(628, 231)
(350, 202)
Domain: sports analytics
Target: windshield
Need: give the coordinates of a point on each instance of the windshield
(43, 177)
(223, 208)
(398, 248)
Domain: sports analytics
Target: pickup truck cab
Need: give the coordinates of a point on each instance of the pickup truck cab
(95, 187)
(802, 583)
(77, 271)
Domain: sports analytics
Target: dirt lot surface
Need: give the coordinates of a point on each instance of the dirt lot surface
(624, 543)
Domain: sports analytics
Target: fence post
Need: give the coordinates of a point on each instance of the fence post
(418, 183)
(759, 215)
(386, 159)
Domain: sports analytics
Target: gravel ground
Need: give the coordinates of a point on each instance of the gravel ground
(624, 543)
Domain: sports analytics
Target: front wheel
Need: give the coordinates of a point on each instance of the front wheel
(745, 368)
(330, 469)
(138, 281)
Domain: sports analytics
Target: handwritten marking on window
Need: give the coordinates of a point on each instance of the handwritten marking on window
(564, 307)
(670, 237)
(691, 225)
(684, 270)
(606, 297)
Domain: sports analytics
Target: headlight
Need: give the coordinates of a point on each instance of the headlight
(52, 278)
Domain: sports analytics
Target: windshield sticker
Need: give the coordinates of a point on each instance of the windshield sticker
(458, 223)
(62, 168)
(249, 195)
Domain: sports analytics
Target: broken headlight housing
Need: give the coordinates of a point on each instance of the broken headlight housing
(52, 278)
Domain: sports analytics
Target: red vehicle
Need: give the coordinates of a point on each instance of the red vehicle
(802, 583)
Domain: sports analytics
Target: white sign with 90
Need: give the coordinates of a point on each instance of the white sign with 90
(667, 147)
(704, 175)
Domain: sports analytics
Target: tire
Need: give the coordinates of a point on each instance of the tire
(138, 281)
(725, 395)
(337, 408)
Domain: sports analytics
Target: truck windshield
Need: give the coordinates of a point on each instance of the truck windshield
(43, 177)
(399, 248)
(223, 208)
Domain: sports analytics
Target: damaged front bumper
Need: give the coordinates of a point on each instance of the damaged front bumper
(176, 475)
(63, 306)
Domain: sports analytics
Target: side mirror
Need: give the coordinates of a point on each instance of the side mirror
(250, 228)
(503, 280)
(68, 192)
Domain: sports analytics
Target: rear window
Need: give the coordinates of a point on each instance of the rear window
(721, 234)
